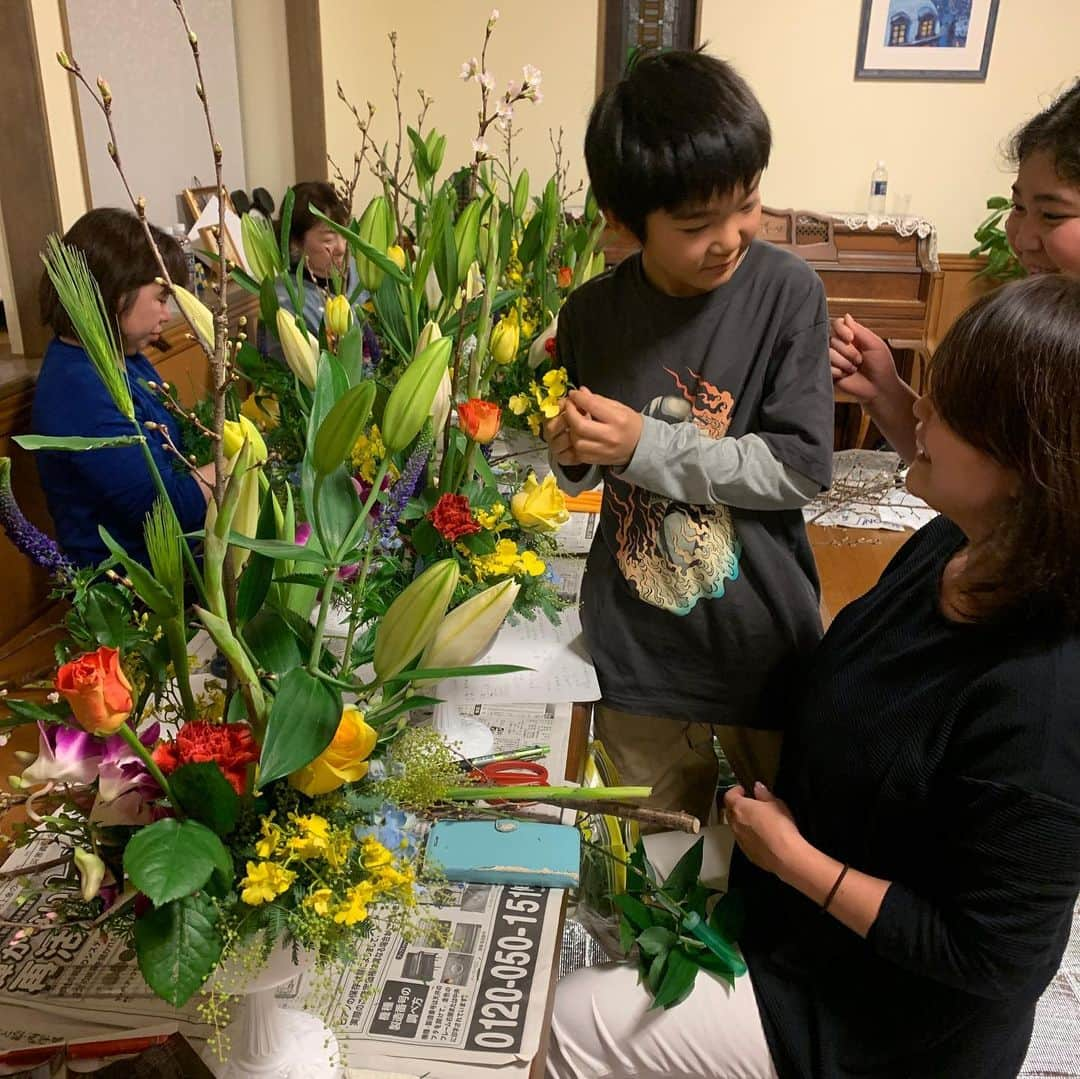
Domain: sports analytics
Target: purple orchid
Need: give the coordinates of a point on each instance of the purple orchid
(65, 755)
(125, 787)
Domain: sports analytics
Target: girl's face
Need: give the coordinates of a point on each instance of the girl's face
(1044, 226)
(323, 248)
(145, 318)
(958, 480)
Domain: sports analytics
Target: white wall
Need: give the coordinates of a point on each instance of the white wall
(434, 39)
(262, 62)
(942, 141)
(141, 49)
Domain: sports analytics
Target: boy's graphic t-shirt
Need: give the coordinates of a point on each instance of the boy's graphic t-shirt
(691, 608)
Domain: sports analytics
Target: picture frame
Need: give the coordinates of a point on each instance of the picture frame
(929, 40)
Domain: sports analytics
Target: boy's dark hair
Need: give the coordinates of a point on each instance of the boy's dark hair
(120, 259)
(677, 129)
(1006, 379)
(325, 198)
(1055, 130)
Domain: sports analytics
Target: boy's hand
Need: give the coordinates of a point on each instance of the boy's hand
(557, 436)
(602, 431)
(861, 363)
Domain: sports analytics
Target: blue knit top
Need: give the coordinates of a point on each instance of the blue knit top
(111, 487)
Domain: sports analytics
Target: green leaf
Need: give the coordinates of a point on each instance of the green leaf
(639, 861)
(279, 550)
(657, 968)
(438, 673)
(655, 940)
(529, 247)
(677, 982)
(206, 795)
(635, 912)
(998, 202)
(350, 354)
(35, 713)
(268, 302)
(287, 204)
(172, 858)
(178, 946)
(273, 643)
(337, 508)
(155, 595)
(303, 721)
(259, 571)
(75, 443)
(686, 872)
(627, 935)
(244, 280)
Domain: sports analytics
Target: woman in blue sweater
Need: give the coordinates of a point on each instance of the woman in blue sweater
(111, 487)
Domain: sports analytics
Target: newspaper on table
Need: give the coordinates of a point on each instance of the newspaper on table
(576, 536)
(473, 990)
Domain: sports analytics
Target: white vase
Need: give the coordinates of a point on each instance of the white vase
(267, 1041)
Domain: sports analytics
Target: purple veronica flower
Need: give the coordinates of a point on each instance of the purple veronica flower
(30, 540)
(407, 486)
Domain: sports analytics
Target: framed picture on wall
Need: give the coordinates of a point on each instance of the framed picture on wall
(939, 40)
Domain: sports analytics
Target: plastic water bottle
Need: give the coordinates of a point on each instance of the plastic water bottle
(179, 234)
(879, 187)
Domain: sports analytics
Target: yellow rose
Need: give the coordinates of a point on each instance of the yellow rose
(345, 759)
(540, 507)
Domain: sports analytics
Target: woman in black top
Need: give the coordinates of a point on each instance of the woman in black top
(929, 789)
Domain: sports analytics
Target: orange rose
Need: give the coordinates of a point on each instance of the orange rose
(480, 419)
(95, 687)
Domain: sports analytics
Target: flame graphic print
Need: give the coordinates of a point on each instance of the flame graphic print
(671, 553)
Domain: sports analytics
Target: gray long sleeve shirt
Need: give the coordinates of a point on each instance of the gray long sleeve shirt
(701, 584)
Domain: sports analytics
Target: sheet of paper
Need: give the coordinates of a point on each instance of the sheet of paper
(561, 669)
(208, 218)
(576, 536)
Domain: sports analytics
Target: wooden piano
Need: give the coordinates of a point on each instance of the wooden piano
(886, 281)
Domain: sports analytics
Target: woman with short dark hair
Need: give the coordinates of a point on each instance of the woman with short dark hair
(111, 487)
(909, 887)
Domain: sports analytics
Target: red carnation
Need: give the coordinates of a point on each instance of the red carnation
(229, 745)
(453, 518)
(550, 345)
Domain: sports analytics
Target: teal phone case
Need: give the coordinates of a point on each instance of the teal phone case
(506, 852)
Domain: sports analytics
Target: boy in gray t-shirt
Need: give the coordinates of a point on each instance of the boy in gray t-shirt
(705, 403)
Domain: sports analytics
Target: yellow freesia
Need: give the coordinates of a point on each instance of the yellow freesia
(319, 901)
(345, 759)
(520, 404)
(540, 507)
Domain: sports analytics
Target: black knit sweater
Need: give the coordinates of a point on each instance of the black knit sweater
(944, 758)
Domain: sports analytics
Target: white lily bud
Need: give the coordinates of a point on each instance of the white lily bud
(300, 348)
(466, 632)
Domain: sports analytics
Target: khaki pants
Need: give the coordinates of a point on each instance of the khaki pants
(677, 758)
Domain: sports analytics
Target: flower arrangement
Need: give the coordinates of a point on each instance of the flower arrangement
(274, 807)
(462, 277)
